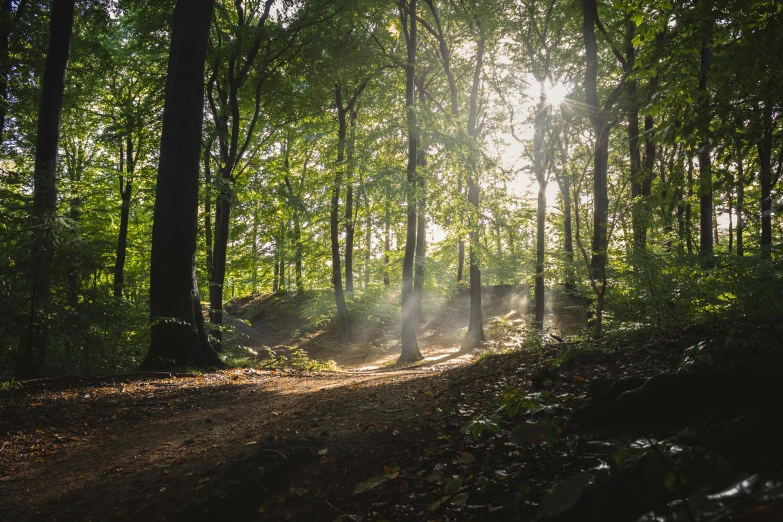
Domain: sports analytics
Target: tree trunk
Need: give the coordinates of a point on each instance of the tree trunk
(219, 254)
(766, 180)
(178, 337)
(368, 241)
(689, 208)
(600, 162)
(350, 227)
(705, 161)
(461, 244)
(740, 203)
(126, 187)
(276, 272)
(730, 208)
(346, 331)
(386, 245)
(208, 208)
(421, 229)
(31, 355)
(633, 143)
(538, 166)
(475, 333)
(410, 346)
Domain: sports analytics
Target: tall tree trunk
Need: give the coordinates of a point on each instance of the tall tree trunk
(766, 180)
(633, 142)
(475, 333)
(368, 240)
(350, 227)
(461, 244)
(730, 208)
(740, 203)
(31, 355)
(178, 336)
(410, 346)
(647, 176)
(538, 165)
(386, 245)
(346, 331)
(421, 229)
(276, 273)
(705, 160)
(298, 255)
(689, 208)
(282, 265)
(715, 225)
(564, 184)
(126, 187)
(74, 213)
(219, 254)
(254, 250)
(598, 120)
(208, 208)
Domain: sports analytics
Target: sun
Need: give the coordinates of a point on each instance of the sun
(556, 92)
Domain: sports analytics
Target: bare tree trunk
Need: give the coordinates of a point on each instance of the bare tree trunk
(461, 244)
(31, 355)
(386, 245)
(688, 209)
(368, 240)
(740, 203)
(350, 227)
(346, 331)
(475, 333)
(126, 187)
(538, 166)
(276, 273)
(766, 180)
(705, 161)
(421, 230)
(208, 208)
(178, 336)
(410, 346)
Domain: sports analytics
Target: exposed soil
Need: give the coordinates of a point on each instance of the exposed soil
(357, 445)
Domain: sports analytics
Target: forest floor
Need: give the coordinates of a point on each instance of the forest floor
(370, 442)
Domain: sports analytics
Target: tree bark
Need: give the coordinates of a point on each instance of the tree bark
(689, 209)
(386, 245)
(126, 187)
(705, 161)
(766, 180)
(461, 243)
(178, 336)
(346, 331)
(421, 229)
(410, 346)
(350, 227)
(740, 203)
(208, 208)
(31, 355)
(538, 165)
(598, 120)
(475, 333)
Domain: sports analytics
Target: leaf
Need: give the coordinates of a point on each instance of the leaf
(453, 485)
(323, 451)
(465, 458)
(564, 495)
(460, 499)
(369, 484)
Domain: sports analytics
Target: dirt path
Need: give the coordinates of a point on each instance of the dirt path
(142, 450)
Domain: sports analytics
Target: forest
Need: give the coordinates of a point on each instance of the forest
(388, 260)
